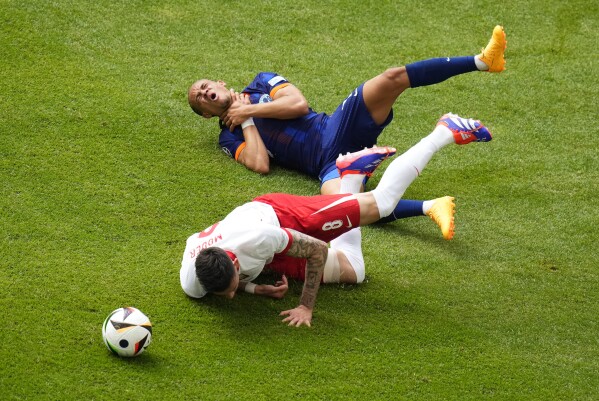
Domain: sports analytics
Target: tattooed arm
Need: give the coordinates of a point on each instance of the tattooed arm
(315, 251)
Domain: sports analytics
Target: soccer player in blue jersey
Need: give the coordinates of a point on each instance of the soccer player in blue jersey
(271, 119)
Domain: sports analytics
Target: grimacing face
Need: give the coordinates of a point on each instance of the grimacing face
(209, 98)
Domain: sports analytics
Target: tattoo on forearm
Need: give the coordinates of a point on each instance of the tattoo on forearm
(315, 252)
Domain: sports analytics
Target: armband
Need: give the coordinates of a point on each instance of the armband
(247, 123)
(250, 288)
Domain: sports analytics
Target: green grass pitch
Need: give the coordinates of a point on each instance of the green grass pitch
(105, 171)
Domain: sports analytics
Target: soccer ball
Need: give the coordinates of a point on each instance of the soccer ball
(127, 331)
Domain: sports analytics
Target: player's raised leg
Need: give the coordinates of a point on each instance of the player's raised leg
(363, 163)
(353, 167)
(381, 92)
(407, 167)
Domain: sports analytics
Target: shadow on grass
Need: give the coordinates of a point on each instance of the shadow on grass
(145, 360)
(432, 239)
(347, 314)
(383, 310)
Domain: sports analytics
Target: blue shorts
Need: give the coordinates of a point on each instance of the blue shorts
(349, 129)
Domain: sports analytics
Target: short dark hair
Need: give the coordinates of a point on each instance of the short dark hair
(214, 269)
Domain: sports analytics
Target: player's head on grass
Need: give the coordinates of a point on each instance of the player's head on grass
(209, 98)
(217, 272)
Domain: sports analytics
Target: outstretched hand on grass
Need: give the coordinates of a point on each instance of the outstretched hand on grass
(298, 316)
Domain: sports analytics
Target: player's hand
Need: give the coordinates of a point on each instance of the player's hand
(236, 113)
(276, 291)
(298, 316)
(244, 98)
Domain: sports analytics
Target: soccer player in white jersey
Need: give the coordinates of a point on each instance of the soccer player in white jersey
(228, 255)
(271, 121)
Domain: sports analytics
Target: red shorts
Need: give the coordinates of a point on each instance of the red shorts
(325, 217)
(322, 216)
(294, 268)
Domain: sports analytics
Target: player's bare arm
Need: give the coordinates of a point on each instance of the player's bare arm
(315, 252)
(254, 155)
(288, 102)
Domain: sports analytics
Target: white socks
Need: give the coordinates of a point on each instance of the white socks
(482, 66)
(404, 170)
(332, 269)
(426, 206)
(350, 243)
(351, 183)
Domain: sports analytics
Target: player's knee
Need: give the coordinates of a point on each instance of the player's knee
(385, 202)
(344, 267)
(332, 268)
(397, 77)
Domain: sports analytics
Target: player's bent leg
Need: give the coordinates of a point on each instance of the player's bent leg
(381, 92)
(331, 187)
(351, 273)
(407, 167)
(345, 262)
(338, 269)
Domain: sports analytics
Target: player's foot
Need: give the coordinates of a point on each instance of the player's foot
(465, 130)
(442, 213)
(363, 162)
(492, 55)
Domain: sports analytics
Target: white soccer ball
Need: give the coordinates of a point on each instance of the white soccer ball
(127, 331)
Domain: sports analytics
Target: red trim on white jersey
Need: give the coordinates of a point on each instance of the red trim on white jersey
(284, 251)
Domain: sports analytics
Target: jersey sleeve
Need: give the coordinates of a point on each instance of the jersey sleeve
(289, 242)
(265, 83)
(187, 276)
(271, 241)
(258, 246)
(232, 143)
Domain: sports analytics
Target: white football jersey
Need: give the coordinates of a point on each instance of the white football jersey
(251, 231)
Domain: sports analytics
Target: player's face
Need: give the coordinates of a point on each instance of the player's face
(211, 97)
(232, 289)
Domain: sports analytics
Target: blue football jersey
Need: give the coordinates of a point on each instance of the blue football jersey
(295, 144)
